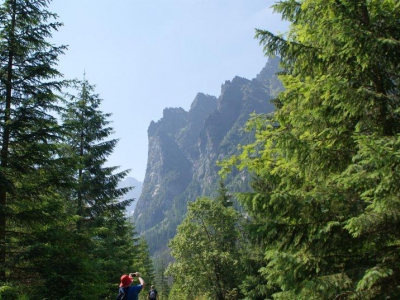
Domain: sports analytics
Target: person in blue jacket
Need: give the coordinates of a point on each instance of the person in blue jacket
(128, 291)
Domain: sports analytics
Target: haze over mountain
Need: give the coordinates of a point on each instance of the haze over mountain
(132, 194)
(184, 147)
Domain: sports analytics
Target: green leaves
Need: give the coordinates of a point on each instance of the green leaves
(205, 250)
(325, 198)
(373, 276)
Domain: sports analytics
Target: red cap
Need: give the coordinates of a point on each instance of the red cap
(125, 281)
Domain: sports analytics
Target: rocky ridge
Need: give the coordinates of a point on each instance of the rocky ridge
(184, 147)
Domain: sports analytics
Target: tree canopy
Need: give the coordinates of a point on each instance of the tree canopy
(63, 229)
(321, 220)
(326, 162)
(206, 252)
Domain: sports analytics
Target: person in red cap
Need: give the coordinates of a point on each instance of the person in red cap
(128, 291)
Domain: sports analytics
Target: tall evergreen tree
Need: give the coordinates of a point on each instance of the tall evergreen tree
(252, 243)
(95, 194)
(29, 170)
(96, 189)
(161, 280)
(326, 164)
(143, 264)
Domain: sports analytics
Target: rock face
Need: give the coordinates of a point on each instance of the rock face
(132, 194)
(185, 146)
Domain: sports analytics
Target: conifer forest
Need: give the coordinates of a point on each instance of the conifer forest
(320, 219)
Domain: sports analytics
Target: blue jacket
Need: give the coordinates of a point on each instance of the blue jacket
(132, 292)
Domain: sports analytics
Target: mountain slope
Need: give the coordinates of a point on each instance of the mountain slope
(132, 194)
(185, 146)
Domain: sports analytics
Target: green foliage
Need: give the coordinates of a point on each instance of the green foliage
(94, 198)
(30, 168)
(63, 232)
(223, 195)
(161, 280)
(143, 264)
(325, 201)
(205, 251)
(7, 292)
(87, 128)
(253, 285)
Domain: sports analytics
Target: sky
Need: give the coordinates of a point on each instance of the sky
(147, 55)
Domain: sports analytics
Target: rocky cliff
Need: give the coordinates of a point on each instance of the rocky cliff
(185, 146)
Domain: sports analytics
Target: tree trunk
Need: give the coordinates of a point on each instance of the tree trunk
(5, 146)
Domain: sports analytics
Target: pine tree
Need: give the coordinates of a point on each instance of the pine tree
(29, 166)
(326, 164)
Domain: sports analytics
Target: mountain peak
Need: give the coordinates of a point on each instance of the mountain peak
(202, 101)
(185, 146)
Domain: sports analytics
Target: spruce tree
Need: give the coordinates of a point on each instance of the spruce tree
(161, 280)
(29, 166)
(95, 195)
(87, 128)
(143, 264)
(326, 164)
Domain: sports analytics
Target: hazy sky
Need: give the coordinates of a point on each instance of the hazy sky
(146, 55)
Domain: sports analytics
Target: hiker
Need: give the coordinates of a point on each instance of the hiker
(153, 295)
(128, 291)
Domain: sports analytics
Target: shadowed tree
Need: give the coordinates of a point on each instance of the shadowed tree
(29, 167)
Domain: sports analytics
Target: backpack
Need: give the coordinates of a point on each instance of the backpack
(152, 294)
(122, 293)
